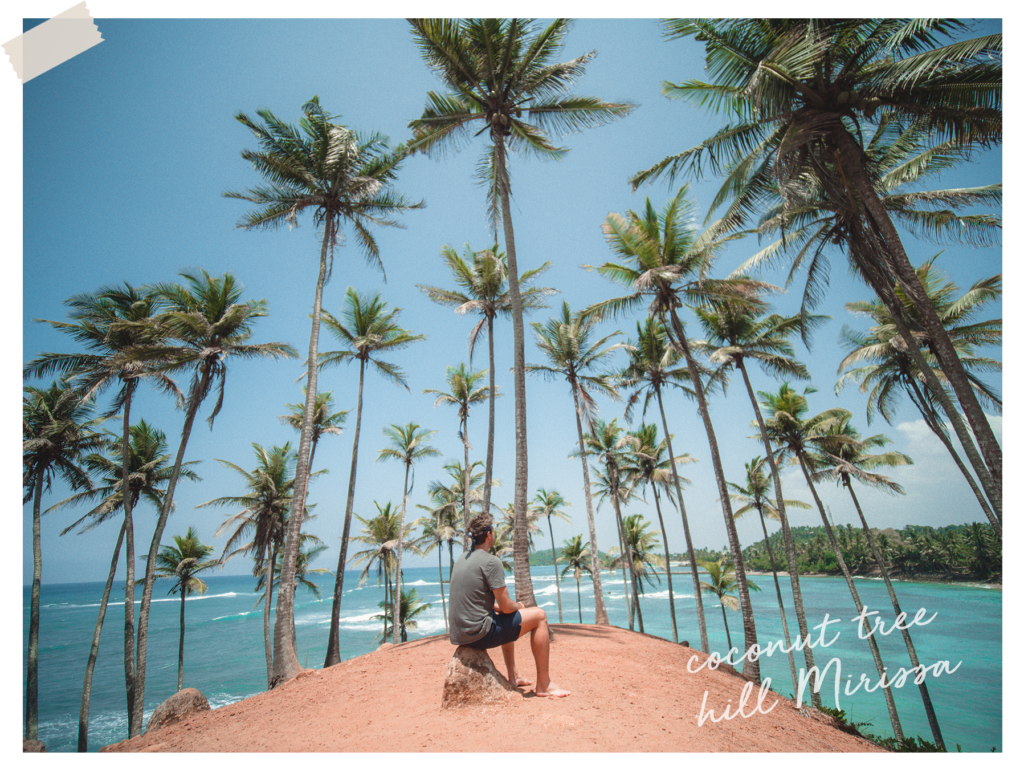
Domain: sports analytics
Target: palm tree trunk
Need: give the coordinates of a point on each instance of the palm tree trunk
(268, 647)
(94, 649)
(520, 540)
(201, 389)
(778, 594)
(333, 653)
(32, 679)
(686, 530)
(623, 553)
(725, 620)
(890, 703)
(440, 578)
(627, 553)
(940, 432)
(398, 560)
(129, 581)
(787, 538)
(286, 662)
(554, 561)
(668, 566)
(387, 591)
(751, 669)
(181, 641)
(896, 258)
(579, 600)
(465, 476)
(489, 467)
(929, 710)
(600, 614)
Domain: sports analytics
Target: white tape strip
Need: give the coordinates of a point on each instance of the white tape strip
(53, 42)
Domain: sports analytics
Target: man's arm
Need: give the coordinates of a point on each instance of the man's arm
(502, 602)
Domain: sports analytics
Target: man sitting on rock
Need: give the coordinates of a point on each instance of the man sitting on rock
(482, 616)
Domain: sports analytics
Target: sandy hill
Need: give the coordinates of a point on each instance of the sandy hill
(630, 692)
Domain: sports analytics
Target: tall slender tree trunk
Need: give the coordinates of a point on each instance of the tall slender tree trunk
(465, 475)
(333, 653)
(440, 578)
(286, 662)
(686, 531)
(751, 669)
(489, 467)
(199, 394)
(890, 703)
(600, 614)
(181, 641)
(32, 679)
(129, 580)
(554, 561)
(520, 539)
(396, 601)
(668, 565)
(625, 578)
(627, 554)
(787, 537)
(94, 649)
(268, 646)
(728, 636)
(579, 600)
(929, 710)
(778, 594)
(850, 156)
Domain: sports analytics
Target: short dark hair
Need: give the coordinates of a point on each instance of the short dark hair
(478, 526)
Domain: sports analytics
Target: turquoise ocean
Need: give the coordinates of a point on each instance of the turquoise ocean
(224, 655)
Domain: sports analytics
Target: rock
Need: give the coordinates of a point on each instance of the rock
(385, 646)
(177, 707)
(473, 680)
(684, 643)
(32, 746)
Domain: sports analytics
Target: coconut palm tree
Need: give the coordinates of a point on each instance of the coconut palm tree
(501, 76)
(849, 458)
(736, 334)
(664, 262)
(575, 556)
(795, 434)
(367, 328)
(752, 496)
(446, 499)
(409, 607)
(899, 155)
(613, 447)
(566, 342)
(803, 93)
(207, 324)
(341, 176)
(381, 536)
(548, 503)
(481, 280)
(261, 517)
(648, 466)
(148, 471)
(653, 365)
(57, 431)
(436, 530)
(110, 323)
(462, 384)
(637, 554)
(723, 581)
(324, 421)
(880, 360)
(182, 562)
(408, 446)
(302, 570)
(505, 528)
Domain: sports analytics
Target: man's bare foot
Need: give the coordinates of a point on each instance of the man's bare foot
(552, 691)
(521, 682)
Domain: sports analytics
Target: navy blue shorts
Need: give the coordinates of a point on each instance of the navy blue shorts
(505, 628)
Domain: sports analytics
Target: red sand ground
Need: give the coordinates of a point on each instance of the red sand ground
(630, 692)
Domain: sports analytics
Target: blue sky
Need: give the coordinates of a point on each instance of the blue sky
(129, 146)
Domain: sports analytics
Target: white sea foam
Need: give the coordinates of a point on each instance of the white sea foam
(237, 615)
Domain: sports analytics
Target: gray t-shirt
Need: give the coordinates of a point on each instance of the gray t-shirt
(474, 577)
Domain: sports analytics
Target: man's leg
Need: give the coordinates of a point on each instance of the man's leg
(535, 621)
(508, 652)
